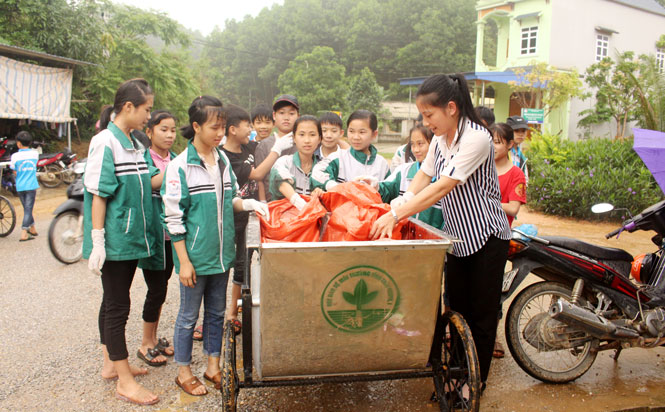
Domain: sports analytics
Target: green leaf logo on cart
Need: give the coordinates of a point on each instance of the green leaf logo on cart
(359, 299)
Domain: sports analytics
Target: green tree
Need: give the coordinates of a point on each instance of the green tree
(616, 92)
(364, 92)
(317, 80)
(543, 87)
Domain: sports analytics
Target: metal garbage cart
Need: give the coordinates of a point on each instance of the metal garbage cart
(320, 312)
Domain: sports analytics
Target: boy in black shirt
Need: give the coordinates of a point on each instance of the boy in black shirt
(240, 151)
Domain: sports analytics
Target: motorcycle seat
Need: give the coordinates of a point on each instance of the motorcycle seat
(596, 252)
(47, 155)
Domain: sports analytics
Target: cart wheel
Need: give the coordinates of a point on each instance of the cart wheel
(230, 384)
(457, 372)
(7, 217)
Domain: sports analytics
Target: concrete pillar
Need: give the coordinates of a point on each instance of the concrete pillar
(480, 37)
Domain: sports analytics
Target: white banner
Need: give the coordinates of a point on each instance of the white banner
(29, 91)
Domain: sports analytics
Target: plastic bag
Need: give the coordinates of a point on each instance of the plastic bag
(355, 206)
(287, 224)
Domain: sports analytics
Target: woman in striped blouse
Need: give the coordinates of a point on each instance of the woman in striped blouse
(461, 157)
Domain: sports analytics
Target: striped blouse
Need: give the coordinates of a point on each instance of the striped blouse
(472, 210)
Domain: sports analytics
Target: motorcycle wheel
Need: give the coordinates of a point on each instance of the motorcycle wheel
(542, 346)
(7, 217)
(63, 239)
(68, 176)
(50, 177)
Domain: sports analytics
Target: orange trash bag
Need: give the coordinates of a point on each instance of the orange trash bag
(355, 207)
(287, 224)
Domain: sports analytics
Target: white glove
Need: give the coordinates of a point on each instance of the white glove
(261, 208)
(282, 144)
(98, 254)
(297, 201)
(400, 200)
(370, 180)
(331, 184)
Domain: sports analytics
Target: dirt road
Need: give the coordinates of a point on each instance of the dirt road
(50, 359)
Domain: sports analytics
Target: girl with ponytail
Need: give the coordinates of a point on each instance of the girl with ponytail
(461, 161)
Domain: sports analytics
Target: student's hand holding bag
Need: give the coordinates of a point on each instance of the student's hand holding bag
(98, 253)
(249, 205)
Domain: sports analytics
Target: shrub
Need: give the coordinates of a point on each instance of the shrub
(566, 178)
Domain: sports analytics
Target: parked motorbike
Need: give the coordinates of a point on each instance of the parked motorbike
(65, 234)
(54, 168)
(592, 298)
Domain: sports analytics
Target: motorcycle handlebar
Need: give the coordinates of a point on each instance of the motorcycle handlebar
(613, 233)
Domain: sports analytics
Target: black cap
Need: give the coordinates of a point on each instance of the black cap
(285, 99)
(517, 122)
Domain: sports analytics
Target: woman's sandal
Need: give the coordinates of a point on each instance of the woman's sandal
(237, 326)
(215, 380)
(190, 386)
(162, 345)
(198, 333)
(150, 356)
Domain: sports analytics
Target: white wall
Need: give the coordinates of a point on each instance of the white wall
(573, 40)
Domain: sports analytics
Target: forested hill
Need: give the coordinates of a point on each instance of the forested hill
(393, 38)
(332, 53)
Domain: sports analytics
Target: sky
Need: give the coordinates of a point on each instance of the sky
(204, 15)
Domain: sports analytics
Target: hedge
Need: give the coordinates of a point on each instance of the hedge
(566, 178)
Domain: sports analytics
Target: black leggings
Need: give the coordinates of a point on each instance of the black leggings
(117, 276)
(474, 289)
(157, 282)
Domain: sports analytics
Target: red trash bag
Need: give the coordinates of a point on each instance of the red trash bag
(287, 224)
(355, 207)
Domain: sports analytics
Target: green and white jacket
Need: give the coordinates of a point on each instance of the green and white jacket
(287, 169)
(398, 182)
(195, 212)
(116, 170)
(156, 261)
(346, 164)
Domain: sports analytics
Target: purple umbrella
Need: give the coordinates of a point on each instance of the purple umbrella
(650, 146)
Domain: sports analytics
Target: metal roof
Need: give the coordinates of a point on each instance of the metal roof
(13, 51)
(495, 77)
(651, 6)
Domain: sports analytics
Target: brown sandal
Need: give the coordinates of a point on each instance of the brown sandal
(189, 387)
(216, 379)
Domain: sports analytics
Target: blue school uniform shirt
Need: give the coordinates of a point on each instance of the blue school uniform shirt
(25, 163)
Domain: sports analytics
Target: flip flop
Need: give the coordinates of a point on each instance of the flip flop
(216, 379)
(198, 333)
(134, 401)
(30, 237)
(149, 357)
(237, 326)
(162, 345)
(189, 387)
(498, 352)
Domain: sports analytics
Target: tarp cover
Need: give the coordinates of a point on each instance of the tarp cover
(29, 91)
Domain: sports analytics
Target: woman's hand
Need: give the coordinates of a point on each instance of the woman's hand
(383, 227)
(187, 274)
(316, 192)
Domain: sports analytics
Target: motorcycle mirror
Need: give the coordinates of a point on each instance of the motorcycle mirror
(602, 208)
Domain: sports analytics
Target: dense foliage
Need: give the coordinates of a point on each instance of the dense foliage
(113, 38)
(393, 38)
(364, 46)
(566, 178)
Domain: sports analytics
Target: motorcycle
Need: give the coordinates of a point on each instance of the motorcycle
(54, 168)
(586, 301)
(65, 234)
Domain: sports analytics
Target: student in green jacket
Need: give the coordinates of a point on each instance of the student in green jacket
(117, 213)
(360, 161)
(157, 269)
(397, 184)
(199, 192)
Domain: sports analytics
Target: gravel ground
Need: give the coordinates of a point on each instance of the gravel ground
(50, 359)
